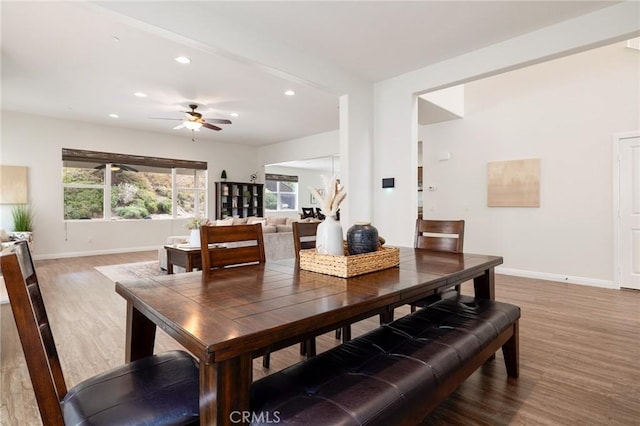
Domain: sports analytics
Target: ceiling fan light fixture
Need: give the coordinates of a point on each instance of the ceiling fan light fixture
(192, 125)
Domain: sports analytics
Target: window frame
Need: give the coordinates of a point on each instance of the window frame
(108, 159)
(282, 179)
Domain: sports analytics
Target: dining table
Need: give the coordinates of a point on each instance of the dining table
(232, 315)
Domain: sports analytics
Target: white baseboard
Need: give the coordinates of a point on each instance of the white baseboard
(93, 253)
(557, 277)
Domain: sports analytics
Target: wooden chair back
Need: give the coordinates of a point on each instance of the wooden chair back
(304, 236)
(34, 331)
(440, 235)
(238, 244)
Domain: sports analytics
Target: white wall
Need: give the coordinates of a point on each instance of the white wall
(563, 112)
(395, 106)
(37, 142)
(314, 146)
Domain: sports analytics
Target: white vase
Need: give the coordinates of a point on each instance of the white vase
(194, 237)
(329, 237)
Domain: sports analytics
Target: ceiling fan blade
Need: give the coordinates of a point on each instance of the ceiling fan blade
(211, 126)
(179, 126)
(219, 120)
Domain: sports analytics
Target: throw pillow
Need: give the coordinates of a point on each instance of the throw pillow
(255, 219)
(4, 237)
(225, 222)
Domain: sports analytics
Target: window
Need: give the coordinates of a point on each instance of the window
(101, 185)
(281, 192)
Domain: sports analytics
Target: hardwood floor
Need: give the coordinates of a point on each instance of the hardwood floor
(579, 350)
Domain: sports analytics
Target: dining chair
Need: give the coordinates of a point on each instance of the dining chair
(438, 235)
(230, 245)
(222, 246)
(304, 237)
(162, 389)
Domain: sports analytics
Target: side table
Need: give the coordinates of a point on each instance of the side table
(185, 256)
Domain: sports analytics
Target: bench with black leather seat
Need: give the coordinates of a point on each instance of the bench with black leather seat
(395, 374)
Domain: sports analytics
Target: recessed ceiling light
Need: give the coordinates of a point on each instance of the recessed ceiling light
(114, 116)
(140, 95)
(115, 38)
(289, 93)
(234, 114)
(183, 60)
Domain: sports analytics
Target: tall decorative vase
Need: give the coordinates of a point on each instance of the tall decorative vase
(194, 237)
(329, 237)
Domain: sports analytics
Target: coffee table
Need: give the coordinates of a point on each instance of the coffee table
(186, 256)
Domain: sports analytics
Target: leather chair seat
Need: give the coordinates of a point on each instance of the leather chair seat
(158, 390)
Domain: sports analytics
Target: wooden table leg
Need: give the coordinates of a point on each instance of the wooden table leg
(485, 285)
(208, 397)
(140, 335)
(485, 288)
(233, 386)
(170, 259)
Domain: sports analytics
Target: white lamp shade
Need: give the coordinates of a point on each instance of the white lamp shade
(192, 125)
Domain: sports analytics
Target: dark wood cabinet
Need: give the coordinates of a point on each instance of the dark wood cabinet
(239, 199)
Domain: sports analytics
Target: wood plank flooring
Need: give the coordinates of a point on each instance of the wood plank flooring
(579, 350)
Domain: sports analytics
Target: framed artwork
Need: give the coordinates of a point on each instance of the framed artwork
(312, 199)
(13, 185)
(514, 183)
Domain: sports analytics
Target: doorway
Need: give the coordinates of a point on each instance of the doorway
(627, 210)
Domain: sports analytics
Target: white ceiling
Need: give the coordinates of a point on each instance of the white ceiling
(60, 59)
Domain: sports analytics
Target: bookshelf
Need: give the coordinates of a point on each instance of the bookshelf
(239, 199)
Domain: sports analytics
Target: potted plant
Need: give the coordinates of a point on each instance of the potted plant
(194, 224)
(22, 223)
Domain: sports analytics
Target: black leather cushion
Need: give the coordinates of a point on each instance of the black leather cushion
(158, 390)
(366, 380)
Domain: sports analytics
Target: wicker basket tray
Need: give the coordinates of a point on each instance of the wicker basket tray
(349, 266)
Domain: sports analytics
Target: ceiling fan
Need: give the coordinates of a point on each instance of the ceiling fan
(193, 120)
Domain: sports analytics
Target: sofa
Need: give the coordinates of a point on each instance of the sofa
(277, 233)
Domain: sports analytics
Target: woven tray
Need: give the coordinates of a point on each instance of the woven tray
(349, 266)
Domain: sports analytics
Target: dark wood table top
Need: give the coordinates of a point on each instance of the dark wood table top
(248, 308)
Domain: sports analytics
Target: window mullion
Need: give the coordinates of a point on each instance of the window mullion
(107, 192)
(174, 193)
